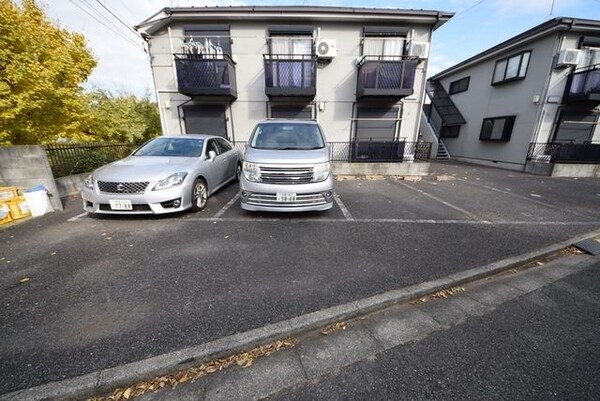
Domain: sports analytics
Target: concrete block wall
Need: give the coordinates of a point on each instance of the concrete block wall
(26, 167)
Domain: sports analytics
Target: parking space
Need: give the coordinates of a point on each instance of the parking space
(102, 291)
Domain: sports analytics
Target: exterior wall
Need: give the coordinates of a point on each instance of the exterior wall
(336, 81)
(25, 167)
(482, 100)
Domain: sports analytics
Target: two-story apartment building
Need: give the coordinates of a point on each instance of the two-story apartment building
(359, 72)
(529, 103)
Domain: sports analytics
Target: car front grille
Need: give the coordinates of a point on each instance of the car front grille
(301, 200)
(122, 187)
(286, 175)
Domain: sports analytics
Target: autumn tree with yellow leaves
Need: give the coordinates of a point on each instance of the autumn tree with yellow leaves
(42, 67)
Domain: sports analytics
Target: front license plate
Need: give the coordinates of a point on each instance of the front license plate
(286, 197)
(120, 205)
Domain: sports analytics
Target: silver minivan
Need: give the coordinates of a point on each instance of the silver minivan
(286, 168)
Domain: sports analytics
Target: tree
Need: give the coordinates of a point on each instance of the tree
(123, 118)
(41, 69)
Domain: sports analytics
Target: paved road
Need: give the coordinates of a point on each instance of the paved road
(103, 292)
(543, 346)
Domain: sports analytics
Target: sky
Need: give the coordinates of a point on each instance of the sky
(123, 66)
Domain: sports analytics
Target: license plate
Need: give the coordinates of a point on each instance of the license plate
(120, 205)
(286, 197)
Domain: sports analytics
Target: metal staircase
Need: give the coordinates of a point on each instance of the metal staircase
(442, 152)
(447, 116)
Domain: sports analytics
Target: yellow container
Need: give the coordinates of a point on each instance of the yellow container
(8, 193)
(4, 213)
(18, 208)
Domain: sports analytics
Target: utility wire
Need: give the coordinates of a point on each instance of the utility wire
(469, 8)
(129, 40)
(118, 18)
(104, 17)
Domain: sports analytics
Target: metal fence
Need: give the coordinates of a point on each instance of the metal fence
(67, 159)
(559, 152)
(372, 151)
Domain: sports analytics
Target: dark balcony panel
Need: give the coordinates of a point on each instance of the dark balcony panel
(382, 76)
(293, 76)
(583, 86)
(580, 153)
(206, 76)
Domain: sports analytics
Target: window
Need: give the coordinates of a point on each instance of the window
(450, 131)
(205, 119)
(575, 126)
(385, 42)
(511, 69)
(497, 128)
(223, 145)
(462, 85)
(376, 124)
(207, 41)
(291, 111)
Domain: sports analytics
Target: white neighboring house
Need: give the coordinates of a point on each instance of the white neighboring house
(530, 103)
(359, 72)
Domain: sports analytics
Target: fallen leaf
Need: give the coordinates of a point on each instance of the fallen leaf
(24, 280)
(127, 393)
(53, 253)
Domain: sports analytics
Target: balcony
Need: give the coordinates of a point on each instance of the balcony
(198, 76)
(385, 76)
(564, 152)
(583, 86)
(290, 75)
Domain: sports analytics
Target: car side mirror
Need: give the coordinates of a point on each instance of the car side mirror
(211, 155)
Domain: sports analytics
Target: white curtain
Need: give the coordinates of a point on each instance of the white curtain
(384, 47)
(289, 73)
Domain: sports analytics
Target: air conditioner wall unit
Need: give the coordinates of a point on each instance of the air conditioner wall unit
(326, 48)
(568, 57)
(418, 49)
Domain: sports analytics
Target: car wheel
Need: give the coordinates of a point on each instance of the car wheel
(238, 172)
(199, 195)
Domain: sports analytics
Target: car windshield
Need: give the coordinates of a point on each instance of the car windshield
(285, 136)
(172, 147)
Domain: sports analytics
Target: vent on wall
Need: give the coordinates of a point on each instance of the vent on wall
(568, 57)
(326, 49)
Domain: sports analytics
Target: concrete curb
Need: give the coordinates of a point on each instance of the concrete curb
(105, 380)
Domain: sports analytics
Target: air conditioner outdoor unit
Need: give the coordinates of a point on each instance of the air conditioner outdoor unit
(418, 49)
(326, 49)
(567, 57)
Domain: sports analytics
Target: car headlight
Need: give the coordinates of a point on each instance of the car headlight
(89, 182)
(171, 181)
(321, 171)
(251, 172)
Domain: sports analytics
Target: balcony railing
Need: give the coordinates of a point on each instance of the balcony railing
(201, 76)
(557, 152)
(386, 76)
(583, 86)
(290, 75)
(371, 151)
(379, 151)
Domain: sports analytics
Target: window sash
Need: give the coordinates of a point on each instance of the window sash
(497, 128)
(511, 68)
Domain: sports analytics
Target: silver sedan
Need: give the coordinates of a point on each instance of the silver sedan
(167, 174)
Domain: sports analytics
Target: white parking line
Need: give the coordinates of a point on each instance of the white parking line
(463, 211)
(75, 218)
(343, 207)
(396, 221)
(227, 206)
(548, 205)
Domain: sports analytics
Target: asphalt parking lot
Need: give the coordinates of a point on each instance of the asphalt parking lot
(106, 291)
